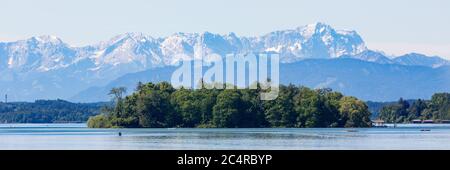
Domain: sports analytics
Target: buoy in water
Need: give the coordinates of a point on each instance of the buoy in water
(120, 133)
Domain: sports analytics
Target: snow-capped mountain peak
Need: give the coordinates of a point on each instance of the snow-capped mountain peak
(128, 48)
(47, 63)
(313, 29)
(40, 53)
(47, 39)
(130, 38)
(137, 51)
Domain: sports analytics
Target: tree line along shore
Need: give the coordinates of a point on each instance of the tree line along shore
(162, 106)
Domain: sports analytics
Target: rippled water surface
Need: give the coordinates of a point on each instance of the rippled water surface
(77, 136)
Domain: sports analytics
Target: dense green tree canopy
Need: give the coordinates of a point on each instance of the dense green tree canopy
(438, 109)
(160, 105)
(354, 112)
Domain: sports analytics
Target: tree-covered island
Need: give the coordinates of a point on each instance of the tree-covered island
(162, 106)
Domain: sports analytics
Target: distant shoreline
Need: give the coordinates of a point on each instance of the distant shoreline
(84, 125)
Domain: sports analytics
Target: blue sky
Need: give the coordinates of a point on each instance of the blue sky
(394, 26)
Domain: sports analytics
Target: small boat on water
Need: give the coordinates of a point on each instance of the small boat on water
(352, 130)
(425, 130)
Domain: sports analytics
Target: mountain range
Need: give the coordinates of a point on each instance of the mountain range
(45, 67)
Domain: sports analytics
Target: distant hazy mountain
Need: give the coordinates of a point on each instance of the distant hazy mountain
(421, 60)
(130, 81)
(366, 80)
(45, 67)
(371, 56)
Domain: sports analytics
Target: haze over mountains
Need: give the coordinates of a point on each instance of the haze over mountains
(45, 67)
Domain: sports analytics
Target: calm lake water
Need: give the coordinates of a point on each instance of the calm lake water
(77, 136)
